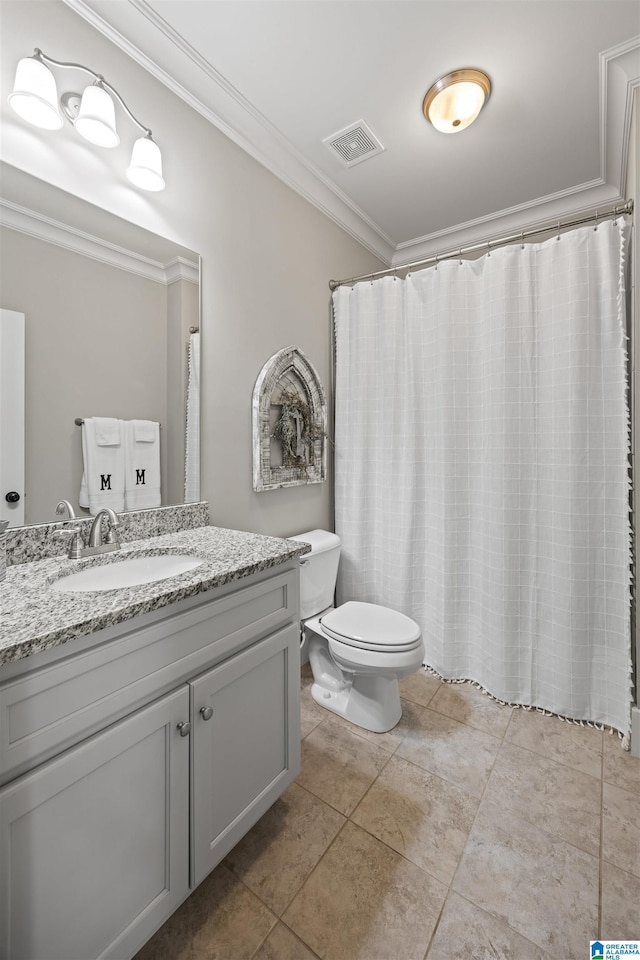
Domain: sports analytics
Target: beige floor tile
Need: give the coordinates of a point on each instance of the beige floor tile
(280, 851)
(468, 704)
(311, 714)
(282, 944)
(466, 932)
(338, 766)
(620, 904)
(578, 747)
(457, 753)
(541, 886)
(620, 768)
(420, 687)
(221, 920)
(423, 817)
(366, 902)
(549, 795)
(621, 829)
(411, 713)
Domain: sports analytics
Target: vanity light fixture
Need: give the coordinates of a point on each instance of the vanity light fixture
(34, 98)
(454, 101)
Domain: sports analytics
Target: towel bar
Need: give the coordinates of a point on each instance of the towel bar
(80, 420)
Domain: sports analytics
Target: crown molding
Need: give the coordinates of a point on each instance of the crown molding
(33, 224)
(211, 95)
(619, 78)
(525, 216)
(219, 102)
(181, 269)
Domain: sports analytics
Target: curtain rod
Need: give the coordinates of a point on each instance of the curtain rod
(617, 211)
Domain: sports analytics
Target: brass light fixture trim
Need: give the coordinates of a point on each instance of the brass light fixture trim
(450, 115)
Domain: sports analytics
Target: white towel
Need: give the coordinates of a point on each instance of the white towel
(102, 483)
(145, 431)
(107, 431)
(142, 464)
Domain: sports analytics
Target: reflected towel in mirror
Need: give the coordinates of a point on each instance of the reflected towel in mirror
(102, 483)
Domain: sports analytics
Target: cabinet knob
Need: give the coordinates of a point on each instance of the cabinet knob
(206, 713)
(184, 728)
(12, 497)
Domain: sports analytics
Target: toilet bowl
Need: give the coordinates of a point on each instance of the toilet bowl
(357, 651)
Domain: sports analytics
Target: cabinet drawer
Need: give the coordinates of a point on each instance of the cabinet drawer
(59, 705)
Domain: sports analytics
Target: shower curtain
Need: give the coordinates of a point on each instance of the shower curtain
(482, 479)
(192, 426)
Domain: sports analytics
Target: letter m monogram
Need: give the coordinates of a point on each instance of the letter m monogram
(139, 477)
(105, 481)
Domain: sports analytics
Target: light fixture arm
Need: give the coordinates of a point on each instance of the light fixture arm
(98, 78)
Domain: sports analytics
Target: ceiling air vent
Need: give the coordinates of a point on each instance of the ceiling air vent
(354, 143)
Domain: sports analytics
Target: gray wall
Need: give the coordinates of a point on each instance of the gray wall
(267, 255)
(95, 345)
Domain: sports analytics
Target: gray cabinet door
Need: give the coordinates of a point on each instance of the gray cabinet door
(245, 743)
(94, 844)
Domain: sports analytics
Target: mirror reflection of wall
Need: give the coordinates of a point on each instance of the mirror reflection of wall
(108, 311)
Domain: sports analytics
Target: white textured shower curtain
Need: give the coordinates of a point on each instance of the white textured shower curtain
(481, 467)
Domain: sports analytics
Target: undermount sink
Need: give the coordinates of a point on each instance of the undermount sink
(132, 572)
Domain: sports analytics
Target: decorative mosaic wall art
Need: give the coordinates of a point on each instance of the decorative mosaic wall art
(289, 423)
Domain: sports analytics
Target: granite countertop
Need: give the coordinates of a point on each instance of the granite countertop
(34, 618)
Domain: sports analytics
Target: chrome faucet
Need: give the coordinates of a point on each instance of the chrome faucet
(110, 542)
(65, 505)
(78, 547)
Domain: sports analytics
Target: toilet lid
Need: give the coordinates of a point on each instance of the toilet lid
(372, 626)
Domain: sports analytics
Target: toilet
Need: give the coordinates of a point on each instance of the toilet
(357, 651)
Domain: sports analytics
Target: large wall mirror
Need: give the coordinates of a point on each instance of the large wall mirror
(110, 312)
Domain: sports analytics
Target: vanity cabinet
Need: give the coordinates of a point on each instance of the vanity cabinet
(240, 745)
(95, 843)
(104, 832)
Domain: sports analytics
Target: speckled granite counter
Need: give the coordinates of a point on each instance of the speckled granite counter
(34, 618)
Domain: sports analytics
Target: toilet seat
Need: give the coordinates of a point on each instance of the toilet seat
(369, 626)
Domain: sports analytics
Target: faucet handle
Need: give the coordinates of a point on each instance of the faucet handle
(77, 541)
(111, 536)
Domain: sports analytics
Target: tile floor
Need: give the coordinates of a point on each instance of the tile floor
(470, 832)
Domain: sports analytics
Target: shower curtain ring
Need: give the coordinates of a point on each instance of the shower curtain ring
(596, 226)
(436, 261)
(558, 237)
(488, 248)
(522, 239)
(460, 255)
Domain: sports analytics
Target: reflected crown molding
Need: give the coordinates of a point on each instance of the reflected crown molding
(33, 224)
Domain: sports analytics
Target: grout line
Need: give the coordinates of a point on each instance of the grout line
(601, 846)
(545, 756)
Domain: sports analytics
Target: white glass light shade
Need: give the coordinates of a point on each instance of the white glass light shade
(145, 169)
(34, 96)
(454, 101)
(96, 120)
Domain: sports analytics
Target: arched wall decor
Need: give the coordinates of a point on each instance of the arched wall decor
(289, 423)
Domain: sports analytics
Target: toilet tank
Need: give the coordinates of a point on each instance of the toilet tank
(318, 571)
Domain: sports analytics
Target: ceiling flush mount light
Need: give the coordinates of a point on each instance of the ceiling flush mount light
(34, 98)
(454, 101)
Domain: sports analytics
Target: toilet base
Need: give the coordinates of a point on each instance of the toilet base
(369, 701)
